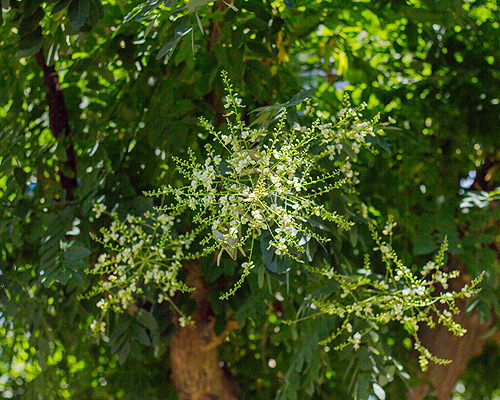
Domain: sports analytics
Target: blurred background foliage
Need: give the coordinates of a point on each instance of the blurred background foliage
(136, 77)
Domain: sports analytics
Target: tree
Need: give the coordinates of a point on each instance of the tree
(105, 95)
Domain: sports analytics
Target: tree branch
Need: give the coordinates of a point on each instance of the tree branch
(59, 124)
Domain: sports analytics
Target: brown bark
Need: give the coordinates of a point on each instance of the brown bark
(439, 340)
(194, 355)
(442, 343)
(59, 124)
(194, 358)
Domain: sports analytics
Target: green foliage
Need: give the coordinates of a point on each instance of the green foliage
(432, 66)
(143, 252)
(266, 182)
(262, 184)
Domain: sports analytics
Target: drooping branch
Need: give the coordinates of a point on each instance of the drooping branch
(460, 350)
(440, 341)
(59, 124)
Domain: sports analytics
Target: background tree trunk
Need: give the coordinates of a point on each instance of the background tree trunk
(59, 124)
(441, 342)
(196, 373)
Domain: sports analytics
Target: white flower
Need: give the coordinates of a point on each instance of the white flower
(296, 184)
(399, 275)
(386, 251)
(98, 327)
(428, 267)
(248, 265)
(388, 228)
(185, 321)
(102, 304)
(356, 340)
(99, 209)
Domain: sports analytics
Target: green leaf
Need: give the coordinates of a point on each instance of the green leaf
(193, 5)
(149, 28)
(364, 359)
(119, 332)
(64, 275)
(318, 224)
(382, 143)
(389, 371)
(254, 306)
(144, 10)
(383, 380)
(30, 6)
(289, 3)
(299, 98)
(424, 245)
(124, 352)
(20, 177)
(30, 44)
(273, 263)
(146, 319)
(142, 336)
(363, 387)
(256, 25)
(230, 6)
(259, 48)
(180, 32)
(78, 13)
(75, 264)
(96, 11)
(412, 35)
(29, 24)
(294, 101)
(311, 247)
(76, 252)
(62, 5)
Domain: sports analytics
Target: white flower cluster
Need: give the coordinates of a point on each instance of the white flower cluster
(403, 297)
(99, 209)
(185, 321)
(98, 328)
(247, 267)
(256, 180)
(343, 138)
(141, 251)
(356, 340)
(251, 181)
(389, 227)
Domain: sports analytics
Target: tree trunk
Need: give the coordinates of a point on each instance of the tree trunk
(196, 373)
(59, 124)
(442, 343)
